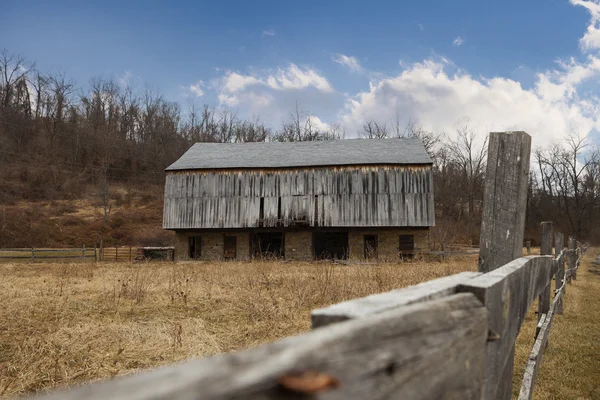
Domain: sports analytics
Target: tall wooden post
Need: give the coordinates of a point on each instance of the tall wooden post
(560, 267)
(504, 199)
(572, 259)
(501, 240)
(545, 250)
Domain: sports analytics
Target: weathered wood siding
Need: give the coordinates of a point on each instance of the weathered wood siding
(323, 197)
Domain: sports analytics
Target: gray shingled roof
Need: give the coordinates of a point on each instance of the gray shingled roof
(303, 154)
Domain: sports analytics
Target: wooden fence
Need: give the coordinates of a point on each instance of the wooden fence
(111, 254)
(40, 254)
(450, 338)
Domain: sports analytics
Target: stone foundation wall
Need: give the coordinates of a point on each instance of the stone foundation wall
(388, 242)
(298, 246)
(212, 245)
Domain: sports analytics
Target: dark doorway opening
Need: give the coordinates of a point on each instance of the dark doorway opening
(330, 245)
(269, 245)
(194, 247)
(229, 247)
(370, 247)
(407, 245)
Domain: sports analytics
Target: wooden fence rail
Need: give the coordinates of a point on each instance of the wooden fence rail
(32, 254)
(112, 254)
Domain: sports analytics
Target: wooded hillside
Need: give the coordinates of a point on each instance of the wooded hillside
(80, 162)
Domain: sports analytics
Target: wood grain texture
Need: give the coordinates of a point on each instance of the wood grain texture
(504, 200)
(381, 302)
(324, 197)
(508, 293)
(430, 350)
(559, 276)
(572, 259)
(535, 358)
(545, 250)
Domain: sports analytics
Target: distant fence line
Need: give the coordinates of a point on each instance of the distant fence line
(109, 254)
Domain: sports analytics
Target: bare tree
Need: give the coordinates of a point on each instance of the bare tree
(468, 153)
(13, 69)
(374, 130)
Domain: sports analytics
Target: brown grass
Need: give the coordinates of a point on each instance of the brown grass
(571, 363)
(65, 324)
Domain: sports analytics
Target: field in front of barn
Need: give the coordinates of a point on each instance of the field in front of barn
(64, 324)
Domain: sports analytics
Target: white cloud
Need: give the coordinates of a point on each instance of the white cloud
(273, 94)
(234, 82)
(421, 27)
(591, 39)
(348, 61)
(436, 97)
(269, 32)
(196, 89)
(458, 41)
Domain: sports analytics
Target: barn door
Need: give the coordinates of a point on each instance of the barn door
(370, 247)
(230, 247)
(407, 245)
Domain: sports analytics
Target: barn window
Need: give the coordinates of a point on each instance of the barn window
(268, 244)
(332, 245)
(370, 246)
(407, 245)
(194, 246)
(229, 247)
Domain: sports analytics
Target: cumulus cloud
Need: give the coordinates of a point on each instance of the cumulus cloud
(273, 94)
(434, 94)
(347, 61)
(458, 41)
(591, 39)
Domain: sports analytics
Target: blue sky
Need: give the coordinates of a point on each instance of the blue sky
(505, 64)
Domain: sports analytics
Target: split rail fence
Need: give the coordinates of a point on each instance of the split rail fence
(450, 338)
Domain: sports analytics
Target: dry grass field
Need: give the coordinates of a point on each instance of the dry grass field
(65, 324)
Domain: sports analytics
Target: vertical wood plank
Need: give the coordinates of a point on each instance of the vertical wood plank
(545, 250)
(504, 199)
(502, 231)
(572, 259)
(560, 267)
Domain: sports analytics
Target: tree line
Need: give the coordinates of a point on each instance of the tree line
(56, 139)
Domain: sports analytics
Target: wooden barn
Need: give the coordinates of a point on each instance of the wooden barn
(301, 200)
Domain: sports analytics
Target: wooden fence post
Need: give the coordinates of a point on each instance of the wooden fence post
(32, 255)
(501, 240)
(504, 199)
(572, 259)
(560, 267)
(83, 252)
(101, 250)
(528, 245)
(545, 250)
